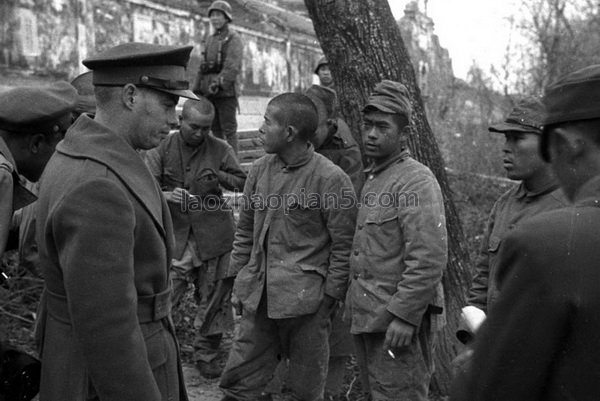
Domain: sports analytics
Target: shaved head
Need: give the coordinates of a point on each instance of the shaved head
(298, 111)
(203, 106)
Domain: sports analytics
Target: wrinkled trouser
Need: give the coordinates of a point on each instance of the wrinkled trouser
(214, 315)
(224, 125)
(261, 343)
(403, 378)
(341, 349)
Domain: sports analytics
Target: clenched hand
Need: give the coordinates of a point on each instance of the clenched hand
(398, 334)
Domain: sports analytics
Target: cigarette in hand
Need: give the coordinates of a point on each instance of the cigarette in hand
(390, 353)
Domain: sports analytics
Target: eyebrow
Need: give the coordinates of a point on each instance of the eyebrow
(375, 122)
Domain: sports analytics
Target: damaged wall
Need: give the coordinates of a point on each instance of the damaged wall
(51, 37)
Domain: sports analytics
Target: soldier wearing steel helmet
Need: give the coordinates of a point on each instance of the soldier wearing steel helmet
(324, 73)
(219, 70)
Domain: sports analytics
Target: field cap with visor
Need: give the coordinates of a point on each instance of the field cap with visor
(147, 65)
(527, 116)
(390, 97)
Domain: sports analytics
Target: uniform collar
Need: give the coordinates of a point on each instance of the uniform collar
(300, 161)
(378, 168)
(523, 192)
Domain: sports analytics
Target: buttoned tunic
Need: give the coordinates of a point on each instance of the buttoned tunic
(177, 165)
(508, 213)
(540, 341)
(400, 249)
(290, 238)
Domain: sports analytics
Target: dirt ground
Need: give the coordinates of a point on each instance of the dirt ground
(199, 388)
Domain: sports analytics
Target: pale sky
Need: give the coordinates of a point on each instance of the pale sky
(470, 29)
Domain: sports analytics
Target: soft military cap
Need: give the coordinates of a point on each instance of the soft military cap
(322, 61)
(37, 110)
(390, 97)
(526, 116)
(86, 101)
(326, 96)
(574, 97)
(154, 66)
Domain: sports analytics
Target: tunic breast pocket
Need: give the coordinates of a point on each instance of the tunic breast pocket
(304, 219)
(383, 231)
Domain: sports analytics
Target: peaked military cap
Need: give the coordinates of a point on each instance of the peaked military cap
(576, 96)
(33, 110)
(526, 116)
(326, 96)
(390, 97)
(154, 66)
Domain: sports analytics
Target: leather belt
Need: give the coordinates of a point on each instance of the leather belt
(151, 308)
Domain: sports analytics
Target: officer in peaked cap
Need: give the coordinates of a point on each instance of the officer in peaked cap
(546, 318)
(32, 121)
(161, 68)
(105, 237)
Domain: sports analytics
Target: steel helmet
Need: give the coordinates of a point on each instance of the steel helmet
(222, 6)
(322, 61)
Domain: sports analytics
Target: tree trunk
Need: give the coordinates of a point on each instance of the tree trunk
(362, 42)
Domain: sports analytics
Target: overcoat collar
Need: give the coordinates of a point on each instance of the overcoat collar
(88, 139)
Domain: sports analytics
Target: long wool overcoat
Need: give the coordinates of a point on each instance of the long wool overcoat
(104, 236)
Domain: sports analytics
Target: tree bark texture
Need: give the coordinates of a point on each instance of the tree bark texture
(363, 45)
